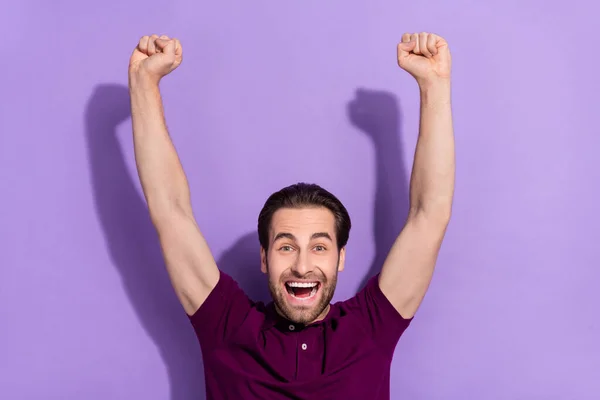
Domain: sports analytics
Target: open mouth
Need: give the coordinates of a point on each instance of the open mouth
(302, 290)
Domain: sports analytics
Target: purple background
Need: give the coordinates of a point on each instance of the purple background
(271, 93)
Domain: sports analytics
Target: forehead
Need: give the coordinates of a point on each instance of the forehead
(303, 220)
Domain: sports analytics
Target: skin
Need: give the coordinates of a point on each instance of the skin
(302, 248)
(408, 268)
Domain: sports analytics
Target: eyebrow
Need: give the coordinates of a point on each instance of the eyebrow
(287, 235)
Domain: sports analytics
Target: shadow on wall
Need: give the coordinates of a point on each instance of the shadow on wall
(135, 250)
(377, 114)
(134, 247)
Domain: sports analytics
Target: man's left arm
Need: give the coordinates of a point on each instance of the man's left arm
(409, 266)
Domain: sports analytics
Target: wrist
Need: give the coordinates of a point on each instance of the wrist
(435, 90)
(141, 80)
(437, 83)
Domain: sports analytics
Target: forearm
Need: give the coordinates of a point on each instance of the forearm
(161, 175)
(432, 180)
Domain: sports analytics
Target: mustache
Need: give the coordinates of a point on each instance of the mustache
(308, 277)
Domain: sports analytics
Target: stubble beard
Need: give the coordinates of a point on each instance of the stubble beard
(300, 314)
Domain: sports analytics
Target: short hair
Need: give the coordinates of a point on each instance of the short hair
(302, 195)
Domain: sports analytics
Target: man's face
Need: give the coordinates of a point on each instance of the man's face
(302, 262)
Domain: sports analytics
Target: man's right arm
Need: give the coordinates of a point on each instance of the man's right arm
(190, 264)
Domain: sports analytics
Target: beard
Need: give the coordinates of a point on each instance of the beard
(297, 313)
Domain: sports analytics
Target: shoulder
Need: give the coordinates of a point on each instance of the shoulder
(223, 312)
(375, 313)
(372, 297)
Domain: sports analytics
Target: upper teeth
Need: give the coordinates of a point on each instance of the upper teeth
(302, 284)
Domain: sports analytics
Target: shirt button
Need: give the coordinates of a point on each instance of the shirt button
(292, 327)
(304, 346)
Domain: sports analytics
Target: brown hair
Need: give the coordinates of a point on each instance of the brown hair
(304, 195)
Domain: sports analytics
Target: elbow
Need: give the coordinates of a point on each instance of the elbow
(163, 212)
(438, 214)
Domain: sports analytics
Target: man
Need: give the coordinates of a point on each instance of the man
(299, 346)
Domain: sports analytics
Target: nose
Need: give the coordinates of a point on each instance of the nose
(302, 266)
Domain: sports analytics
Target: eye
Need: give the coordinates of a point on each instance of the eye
(285, 248)
(320, 248)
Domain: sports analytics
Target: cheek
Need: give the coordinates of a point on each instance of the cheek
(274, 269)
(281, 261)
(332, 259)
(329, 265)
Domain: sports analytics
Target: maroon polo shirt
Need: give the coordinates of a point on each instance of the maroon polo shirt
(250, 352)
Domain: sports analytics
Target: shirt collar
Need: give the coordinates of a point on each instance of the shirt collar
(273, 319)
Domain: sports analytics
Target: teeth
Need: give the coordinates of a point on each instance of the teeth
(302, 284)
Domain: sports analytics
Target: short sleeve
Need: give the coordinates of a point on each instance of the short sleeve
(379, 317)
(223, 311)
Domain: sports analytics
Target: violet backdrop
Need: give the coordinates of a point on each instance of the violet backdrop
(272, 93)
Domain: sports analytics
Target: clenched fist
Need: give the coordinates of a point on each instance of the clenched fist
(425, 56)
(155, 56)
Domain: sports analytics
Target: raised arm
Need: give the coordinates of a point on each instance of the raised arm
(189, 261)
(409, 266)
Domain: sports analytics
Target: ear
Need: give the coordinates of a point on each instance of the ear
(263, 260)
(342, 261)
